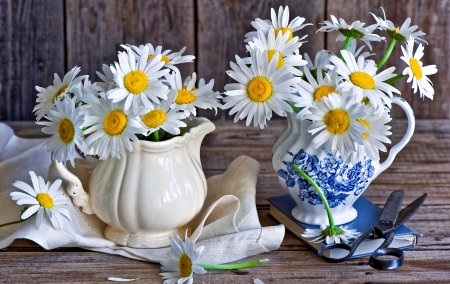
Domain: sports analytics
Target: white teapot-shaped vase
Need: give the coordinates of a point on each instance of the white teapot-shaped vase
(149, 193)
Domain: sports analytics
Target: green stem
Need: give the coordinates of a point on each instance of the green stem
(324, 199)
(388, 53)
(163, 134)
(156, 135)
(234, 266)
(294, 108)
(12, 223)
(347, 42)
(393, 79)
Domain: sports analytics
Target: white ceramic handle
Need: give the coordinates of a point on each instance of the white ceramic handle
(400, 145)
(74, 188)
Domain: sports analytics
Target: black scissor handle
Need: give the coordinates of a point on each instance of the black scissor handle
(387, 264)
(327, 247)
(351, 249)
(384, 250)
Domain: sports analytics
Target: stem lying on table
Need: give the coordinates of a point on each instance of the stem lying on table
(234, 266)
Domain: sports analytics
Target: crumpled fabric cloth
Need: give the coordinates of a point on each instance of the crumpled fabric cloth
(228, 225)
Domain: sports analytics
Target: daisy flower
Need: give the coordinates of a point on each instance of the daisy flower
(169, 59)
(43, 197)
(188, 97)
(321, 60)
(402, 33)
(416, 72)
(261, 89)
(181, 265)
(335, 123)
(47, 96)
(138, 82)
(107, 77)
(64, 123)
(375, 132)
(320, 237)
(83, 90)
(111, 128)
(279, 43)
(355, 30)
(361, 79)
(279, 22)
(315, 89)
(162, 116)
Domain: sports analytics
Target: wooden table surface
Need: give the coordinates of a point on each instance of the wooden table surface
(422, 167)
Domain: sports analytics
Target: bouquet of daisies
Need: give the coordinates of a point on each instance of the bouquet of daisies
(142, 96)
(346, 95)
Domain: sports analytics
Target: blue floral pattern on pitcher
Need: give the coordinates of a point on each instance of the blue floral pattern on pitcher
(335, 177)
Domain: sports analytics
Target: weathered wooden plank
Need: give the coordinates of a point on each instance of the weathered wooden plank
(432, 18)
(31, 51)
(71, 267)
(285, 266)
(95, 30)
(222, 25)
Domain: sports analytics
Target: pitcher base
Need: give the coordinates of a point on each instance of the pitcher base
(311, 218)
(140, 240)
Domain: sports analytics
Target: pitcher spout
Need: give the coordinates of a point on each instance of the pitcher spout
(197, 133)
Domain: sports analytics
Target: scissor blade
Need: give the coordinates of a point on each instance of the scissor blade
(409, 210)
(390, 212)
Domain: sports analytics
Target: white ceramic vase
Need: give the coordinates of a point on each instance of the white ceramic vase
(148, 194)
(342, 183)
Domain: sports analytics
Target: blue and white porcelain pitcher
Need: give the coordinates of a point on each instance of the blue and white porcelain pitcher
(342, 183)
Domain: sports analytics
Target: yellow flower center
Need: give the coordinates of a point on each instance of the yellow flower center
(363, 122)
(115, 122)
(59, 92)
(415, 68)
(66, 130)
(184, 97)
(45, 200)
(154, 118)
(185, 265)
(135, 82)
(337, 121)
(259, 89)
(362, 80)
(163, 58)
(323, 91)
(184, 87)
(283, 31)
(271, 53)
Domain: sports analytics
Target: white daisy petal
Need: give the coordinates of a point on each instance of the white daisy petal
(44, 199)
(320, 236)
(334, 123)
(261, 92)
(279, 22)
(181, 266)
(416, 72)
(110, 125)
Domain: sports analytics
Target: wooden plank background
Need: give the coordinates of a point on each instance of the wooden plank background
(41, 37)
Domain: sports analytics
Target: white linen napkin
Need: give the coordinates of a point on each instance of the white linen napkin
(228, 225)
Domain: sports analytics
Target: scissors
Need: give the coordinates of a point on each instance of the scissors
(390, 219)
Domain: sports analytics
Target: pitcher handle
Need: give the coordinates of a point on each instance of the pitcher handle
(74, 187)
(400, 145)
